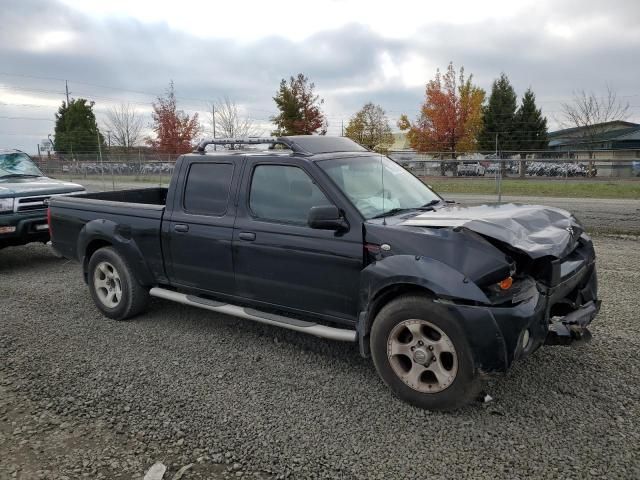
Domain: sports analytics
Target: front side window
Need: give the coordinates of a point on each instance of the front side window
(376, 185)
(207, 188)
(18, 164)
(283, 193)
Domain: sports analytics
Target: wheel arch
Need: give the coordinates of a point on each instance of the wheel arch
(105, 233)
(381, 298)
(92, 247)
(390, 277)
(391, 292)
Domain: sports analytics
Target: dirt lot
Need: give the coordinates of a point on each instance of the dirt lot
(85, 397)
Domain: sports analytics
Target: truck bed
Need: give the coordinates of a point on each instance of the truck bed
(146, 196)
(133, 216)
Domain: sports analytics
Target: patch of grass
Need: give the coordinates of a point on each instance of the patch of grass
(116, 178)
(573, 188)
(539, 188)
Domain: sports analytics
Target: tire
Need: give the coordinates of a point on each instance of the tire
(113, 286)
(444, 350)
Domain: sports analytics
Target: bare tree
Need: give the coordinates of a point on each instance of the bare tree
(229, 122)
(591, 114)
(125, 125)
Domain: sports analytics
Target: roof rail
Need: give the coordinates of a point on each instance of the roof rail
(249, 141)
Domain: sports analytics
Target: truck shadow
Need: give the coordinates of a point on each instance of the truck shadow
(27, 257)
(552, 375)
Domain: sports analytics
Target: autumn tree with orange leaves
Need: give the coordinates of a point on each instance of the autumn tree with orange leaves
(451, 116)
(300, 108)
(175, 130)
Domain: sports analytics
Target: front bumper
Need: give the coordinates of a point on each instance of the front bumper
(29, 227)
(499, 335)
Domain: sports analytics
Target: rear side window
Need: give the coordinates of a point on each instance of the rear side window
(207, 188)
(283, 193)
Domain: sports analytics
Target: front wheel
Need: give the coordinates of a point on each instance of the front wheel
(422, 354)
(113, 287)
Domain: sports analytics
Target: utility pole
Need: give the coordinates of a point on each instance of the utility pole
(109, 139)
(51, 148)
(342, 128)
(213, 121)
(499, 173)
(66, 89)
(100, 156)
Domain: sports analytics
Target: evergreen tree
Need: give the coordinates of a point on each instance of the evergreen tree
(532, 128)
(299, 106)
(531, 125)
(76, 129)
(499, 117)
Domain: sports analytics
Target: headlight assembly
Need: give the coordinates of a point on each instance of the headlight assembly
(6, 205)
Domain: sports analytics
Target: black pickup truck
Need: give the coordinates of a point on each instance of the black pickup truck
(320, 235)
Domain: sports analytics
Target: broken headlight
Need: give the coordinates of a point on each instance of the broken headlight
(511, 290)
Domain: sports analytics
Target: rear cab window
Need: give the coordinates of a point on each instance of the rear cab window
(207, 188)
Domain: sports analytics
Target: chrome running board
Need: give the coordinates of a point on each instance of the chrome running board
(303, 326)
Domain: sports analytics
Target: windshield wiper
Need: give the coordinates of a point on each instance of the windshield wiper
(18, 175)
(393, 211)
(429, 205)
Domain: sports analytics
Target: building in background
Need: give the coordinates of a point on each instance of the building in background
(619, 138)
(611, 145)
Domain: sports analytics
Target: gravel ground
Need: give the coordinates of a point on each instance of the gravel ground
(82, 396)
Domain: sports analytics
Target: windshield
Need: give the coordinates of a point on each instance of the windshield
(17, 163)
(361, 179)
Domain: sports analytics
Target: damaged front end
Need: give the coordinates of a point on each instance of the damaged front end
(565, 295)
(551, 309)
(541, 290)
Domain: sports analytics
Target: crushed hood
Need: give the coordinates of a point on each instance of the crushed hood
(536, 230)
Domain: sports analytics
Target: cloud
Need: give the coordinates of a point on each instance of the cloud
(554, 47)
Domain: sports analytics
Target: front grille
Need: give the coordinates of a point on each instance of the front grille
(26, 204)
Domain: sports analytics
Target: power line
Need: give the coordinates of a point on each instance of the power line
(26, 118)
(181, 97)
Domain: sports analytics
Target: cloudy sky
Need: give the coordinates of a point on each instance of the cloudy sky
(355, 51)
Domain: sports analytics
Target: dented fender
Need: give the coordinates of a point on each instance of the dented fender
(442, 280)
(438, 277)
(120, 237)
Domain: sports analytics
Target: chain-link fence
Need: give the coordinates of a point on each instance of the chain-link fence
(111, 171)
(508, 172)
(622, 164)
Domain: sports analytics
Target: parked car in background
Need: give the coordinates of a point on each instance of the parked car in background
(471, 169)
(24, 194)
(327, 238)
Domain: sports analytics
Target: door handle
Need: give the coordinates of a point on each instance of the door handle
(247, 236)
(181, 228)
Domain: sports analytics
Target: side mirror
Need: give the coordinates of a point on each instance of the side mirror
(326, 217)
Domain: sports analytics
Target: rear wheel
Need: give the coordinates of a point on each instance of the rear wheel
(113, 287)
(422, 354)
